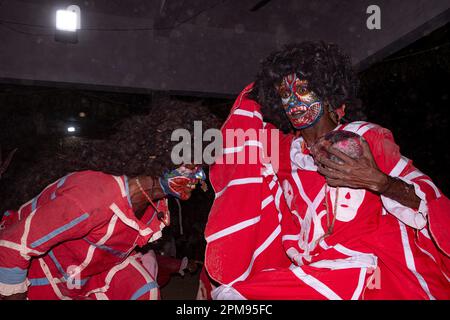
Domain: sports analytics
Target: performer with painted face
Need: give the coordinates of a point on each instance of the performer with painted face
(81, 237)
(338, 212)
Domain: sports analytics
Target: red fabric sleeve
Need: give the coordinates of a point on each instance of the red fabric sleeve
(389, 159)
(52, 222)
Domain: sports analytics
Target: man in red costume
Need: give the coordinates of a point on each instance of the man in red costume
(319, 221)
(77, 238)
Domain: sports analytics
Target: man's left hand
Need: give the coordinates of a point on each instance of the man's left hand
(361, 173)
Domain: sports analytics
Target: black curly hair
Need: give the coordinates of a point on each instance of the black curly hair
(327, 69)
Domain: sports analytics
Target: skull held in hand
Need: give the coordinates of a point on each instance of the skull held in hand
(345, 141)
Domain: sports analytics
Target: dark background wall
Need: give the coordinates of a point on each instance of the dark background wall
(196, 46)
(408, 92)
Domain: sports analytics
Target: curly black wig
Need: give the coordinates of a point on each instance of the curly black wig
(140, 145)
(327, 69)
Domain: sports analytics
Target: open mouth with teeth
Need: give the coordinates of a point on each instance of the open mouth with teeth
(302, 115)
(297, 111)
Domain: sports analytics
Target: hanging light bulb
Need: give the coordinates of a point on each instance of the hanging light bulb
(68, 21)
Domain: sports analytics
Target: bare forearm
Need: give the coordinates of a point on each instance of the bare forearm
(141, 188)
(156, 192)
(400, 191)
(149, 185)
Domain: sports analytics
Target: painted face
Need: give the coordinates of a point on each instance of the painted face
(302, 106)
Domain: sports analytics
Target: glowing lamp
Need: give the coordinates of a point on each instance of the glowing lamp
(68, 21)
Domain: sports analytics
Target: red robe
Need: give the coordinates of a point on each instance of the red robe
(265, 226)
(76, 240)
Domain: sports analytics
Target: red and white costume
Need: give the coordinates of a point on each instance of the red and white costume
(75, 240)
(264, 230)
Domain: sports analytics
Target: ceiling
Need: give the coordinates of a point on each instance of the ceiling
(204, 38)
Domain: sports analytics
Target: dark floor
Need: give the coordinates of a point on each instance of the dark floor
(181, 288)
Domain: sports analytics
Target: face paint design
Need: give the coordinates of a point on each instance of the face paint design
(302, 106)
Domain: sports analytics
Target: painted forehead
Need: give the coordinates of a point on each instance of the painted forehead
(291, 79)
(291, 83)
(294, 88)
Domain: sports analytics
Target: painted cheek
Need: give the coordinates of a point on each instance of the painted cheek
(309, 117)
